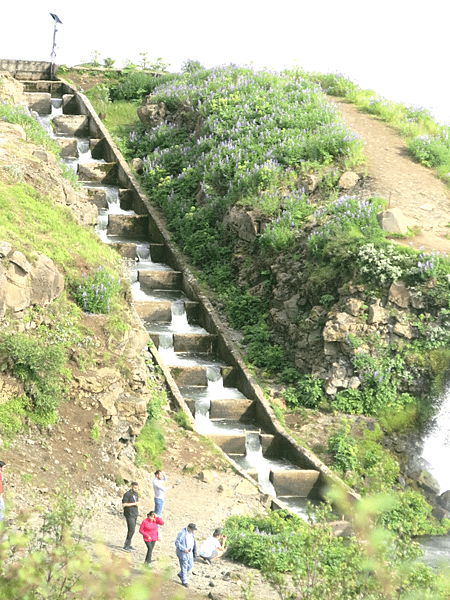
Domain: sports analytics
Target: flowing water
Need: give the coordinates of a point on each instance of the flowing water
(436, 445)
(253, 460)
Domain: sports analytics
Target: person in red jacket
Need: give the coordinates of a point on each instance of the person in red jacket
(149, 531)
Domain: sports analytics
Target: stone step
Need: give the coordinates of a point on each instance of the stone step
(189, 376)
(71, 125)
(104, 173)
(194, 342)
(160, 280)
(236, 409)
(128, 226)
(154, 310)
(40, 102)
(229, 443)
(98, 196)
(302, 483)
(69, 147)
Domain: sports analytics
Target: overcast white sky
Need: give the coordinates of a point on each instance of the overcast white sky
(399, 48)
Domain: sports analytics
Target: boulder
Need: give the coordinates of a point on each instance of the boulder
(377, 314)
(46, 281)
(243, 222)
(23, 284)
(307, 183)
(444, 500)
(348, 180)
(338, 327)
(399, 294)
(392, 221)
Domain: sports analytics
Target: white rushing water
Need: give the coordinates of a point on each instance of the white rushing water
(436, 445)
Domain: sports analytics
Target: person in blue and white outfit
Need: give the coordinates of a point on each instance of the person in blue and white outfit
(186, 549)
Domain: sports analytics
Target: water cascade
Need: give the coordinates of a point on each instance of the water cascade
(255, 460)
(436, 445)
(200, 395)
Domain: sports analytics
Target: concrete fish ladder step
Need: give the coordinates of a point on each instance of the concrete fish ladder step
(233, 409)
(189, 376)
(104, 173)
(195, 342)
(99, 195)
(300, 483)
(40, 102)
(154, 311)
(230, 443)
(128, 226)
(71, 125)
(69, 147)
(160, 280)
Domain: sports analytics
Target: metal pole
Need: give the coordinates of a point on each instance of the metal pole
(53, 54)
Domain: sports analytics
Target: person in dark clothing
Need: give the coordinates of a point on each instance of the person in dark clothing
(130, 504)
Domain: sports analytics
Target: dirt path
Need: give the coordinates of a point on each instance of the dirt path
(423, 199)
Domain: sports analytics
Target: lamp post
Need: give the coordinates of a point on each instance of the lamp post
(53, 54)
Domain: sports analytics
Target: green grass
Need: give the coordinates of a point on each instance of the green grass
(31, 222)
(427, 140)
(150, 444)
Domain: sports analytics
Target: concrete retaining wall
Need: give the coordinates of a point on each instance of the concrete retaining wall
(28, 70)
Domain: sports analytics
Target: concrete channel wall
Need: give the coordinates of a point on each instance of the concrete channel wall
(29, 70)
(276, 442)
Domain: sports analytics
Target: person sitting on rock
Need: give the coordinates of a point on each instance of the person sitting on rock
(213, 547)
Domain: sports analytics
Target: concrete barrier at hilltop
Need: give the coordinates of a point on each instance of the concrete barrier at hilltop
(27, 70)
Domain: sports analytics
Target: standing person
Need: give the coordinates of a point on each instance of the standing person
(186, 548)
(149, 531)
(2, 502)
(130, 504)
(160, 490)
(213, 547)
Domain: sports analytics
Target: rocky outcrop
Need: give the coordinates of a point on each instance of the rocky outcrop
(152, 114)
(11, 89)
(23, 283)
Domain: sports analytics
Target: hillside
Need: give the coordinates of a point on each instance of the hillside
(423, 199)
(68, 449)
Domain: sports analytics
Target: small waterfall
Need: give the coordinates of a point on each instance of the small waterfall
(215, 381)
(202, 420)
(436, 445)
(45, 121)
(112, 198)
(255, 458)
(72, 164)
(143, 252)
(179, 316)
(84, 150)
(166, 348)
(57, 106)
(102, 224)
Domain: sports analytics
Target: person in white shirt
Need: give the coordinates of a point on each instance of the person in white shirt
(160, 490)
(213, 547)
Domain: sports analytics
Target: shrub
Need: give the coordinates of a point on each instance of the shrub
(431, 151)
(410, 515)
(95, 291)
(38, 365)
(150, 444)
(308, 392)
